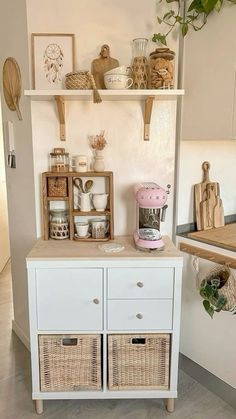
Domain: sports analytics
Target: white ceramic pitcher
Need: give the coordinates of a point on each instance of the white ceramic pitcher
(84, 200)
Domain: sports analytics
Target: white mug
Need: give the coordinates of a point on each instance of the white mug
(99, 228)
(100, 201)
(82, 229)
(117, 81)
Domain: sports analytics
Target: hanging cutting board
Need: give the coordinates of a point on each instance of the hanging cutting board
(12, 85)
(201, 198)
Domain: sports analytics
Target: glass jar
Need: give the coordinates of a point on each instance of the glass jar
(139, 69)
(161, 69)
(59, 160)
(59, 226)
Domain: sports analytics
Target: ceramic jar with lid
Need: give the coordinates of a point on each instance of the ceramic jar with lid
(161, 69)
(59, 226)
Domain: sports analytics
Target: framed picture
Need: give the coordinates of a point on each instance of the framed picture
(52, 58)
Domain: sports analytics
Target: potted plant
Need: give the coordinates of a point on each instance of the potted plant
(185, 16)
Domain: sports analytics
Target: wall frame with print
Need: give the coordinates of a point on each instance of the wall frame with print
(53, 56)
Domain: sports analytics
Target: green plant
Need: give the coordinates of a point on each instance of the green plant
(213, 301)
(193, 16)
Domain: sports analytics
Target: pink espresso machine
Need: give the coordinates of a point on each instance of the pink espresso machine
(151, 208)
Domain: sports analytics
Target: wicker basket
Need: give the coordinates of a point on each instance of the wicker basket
(80, 80)
(57, 187)
(70, 362)
(138, 361)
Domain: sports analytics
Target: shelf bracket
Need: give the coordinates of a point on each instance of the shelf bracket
(147, 117)
(61, 114)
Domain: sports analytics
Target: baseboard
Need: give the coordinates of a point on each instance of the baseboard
(21, 335)
(208, 380)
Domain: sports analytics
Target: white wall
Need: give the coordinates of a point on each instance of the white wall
(20, 182)
(127, 155)
(210, 343)
(4, 231)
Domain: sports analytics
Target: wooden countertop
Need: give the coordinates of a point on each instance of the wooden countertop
(224, 237)
(72, 250)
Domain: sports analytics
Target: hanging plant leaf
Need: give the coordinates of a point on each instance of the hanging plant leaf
(184, 29)
(208, 5)
(158, 37)
(208, 308)
(197, 6)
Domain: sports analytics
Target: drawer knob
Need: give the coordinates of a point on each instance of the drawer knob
(96, 301)
(139, 316)
(140, 284)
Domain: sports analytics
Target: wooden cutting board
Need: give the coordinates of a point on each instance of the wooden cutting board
(224, 237)
(218, 213)
(201, 196)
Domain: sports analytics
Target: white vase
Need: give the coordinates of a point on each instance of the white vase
(99, 164)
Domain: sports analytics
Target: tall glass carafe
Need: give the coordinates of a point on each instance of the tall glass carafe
(140, 64)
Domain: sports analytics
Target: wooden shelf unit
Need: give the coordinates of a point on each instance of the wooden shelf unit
(146, 95)
(72, 212)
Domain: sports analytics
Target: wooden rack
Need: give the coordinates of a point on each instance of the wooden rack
(208, 255)
(68, 197)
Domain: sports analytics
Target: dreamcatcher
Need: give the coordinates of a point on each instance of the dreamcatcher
(53, 63)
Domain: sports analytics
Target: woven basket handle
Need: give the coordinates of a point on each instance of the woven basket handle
(69, 342)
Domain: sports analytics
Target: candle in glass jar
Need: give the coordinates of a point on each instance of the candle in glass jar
(81, 163)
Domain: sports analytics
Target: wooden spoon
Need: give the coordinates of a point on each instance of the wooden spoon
(88, 185)
(79, 184)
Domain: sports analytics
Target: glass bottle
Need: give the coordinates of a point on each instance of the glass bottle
(59, 226)
(59, 160)
(139, 67)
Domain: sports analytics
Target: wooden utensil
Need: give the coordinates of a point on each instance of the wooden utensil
(12, 85)
(218, 214)
(79, 184)
(200, 194)
(88, 185)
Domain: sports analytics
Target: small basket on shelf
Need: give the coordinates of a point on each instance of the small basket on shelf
(82, 80)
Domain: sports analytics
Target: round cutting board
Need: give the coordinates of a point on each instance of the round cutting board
(12, 85)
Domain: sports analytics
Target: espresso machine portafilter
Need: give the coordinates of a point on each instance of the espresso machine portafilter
(151, 209)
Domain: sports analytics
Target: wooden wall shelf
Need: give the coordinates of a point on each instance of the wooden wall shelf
(208, 255)
(147, 95)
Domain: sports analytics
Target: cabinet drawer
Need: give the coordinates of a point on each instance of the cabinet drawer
(139, 314)
(140, 283)
(65, 299)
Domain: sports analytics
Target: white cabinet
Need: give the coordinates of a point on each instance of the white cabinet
(74, 296)
(84, 297)
(209, 110)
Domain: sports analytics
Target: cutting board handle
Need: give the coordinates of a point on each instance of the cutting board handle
(206, 167)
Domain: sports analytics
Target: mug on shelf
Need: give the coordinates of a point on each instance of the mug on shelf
(117, 81)
(82, 229)
(100, 201)
(99, 228)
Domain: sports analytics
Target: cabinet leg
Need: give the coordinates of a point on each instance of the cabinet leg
(170, 405)
(39, 406)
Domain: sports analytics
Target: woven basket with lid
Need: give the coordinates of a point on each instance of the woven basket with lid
(80, 80)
